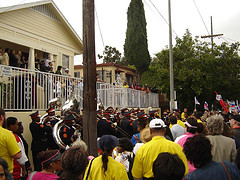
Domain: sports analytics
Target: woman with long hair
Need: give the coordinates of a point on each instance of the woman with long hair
(105, 167)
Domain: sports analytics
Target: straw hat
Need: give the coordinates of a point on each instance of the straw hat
(145, 135)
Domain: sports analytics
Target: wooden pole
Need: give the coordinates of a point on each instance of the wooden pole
(89, 78)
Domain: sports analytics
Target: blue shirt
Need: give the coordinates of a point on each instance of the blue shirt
(214, 170)
(133, 140)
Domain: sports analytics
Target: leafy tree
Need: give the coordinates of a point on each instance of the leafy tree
(110, 55)
(136, 46)
(197, 71)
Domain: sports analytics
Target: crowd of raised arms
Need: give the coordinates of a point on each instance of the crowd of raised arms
(132, 144)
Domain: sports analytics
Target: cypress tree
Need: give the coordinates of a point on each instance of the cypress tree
(136, 45)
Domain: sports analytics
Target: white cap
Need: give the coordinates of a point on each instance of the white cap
(157, 123)
(66, 69)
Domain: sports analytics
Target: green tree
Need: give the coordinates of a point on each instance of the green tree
(197, 71)
(136, 46)
(110, 55)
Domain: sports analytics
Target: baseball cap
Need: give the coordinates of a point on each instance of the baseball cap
(157, 123)
(107, 142)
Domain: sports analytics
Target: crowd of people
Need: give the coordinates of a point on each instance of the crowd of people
(15, 58)
(132, 144)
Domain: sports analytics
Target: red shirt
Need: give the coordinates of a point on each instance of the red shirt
(17, 167)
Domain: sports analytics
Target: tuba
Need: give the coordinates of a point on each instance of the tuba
(55, 103)
(66, 109)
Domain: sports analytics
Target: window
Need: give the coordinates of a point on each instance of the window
(65, 61)
(77, 74)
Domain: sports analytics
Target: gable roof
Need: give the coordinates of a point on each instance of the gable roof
(43, 2)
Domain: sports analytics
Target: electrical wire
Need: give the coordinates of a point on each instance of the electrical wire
(229, 39)
(201, 16)
(162, 16)
(99, 27)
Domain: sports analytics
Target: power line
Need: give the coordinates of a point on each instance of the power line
(230, 39)
(99, 27)
(201, 16)
(162, 16)
(148, 5)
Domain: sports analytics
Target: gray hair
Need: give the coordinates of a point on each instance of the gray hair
(215, 124)
(81, 143)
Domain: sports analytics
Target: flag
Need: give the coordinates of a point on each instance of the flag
(196, 101)
(221, 101)
(218, 97)
(206, 106)
(232, 106)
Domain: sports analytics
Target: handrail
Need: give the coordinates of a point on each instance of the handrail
(24, 89)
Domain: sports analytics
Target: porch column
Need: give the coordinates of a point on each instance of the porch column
(31, 59)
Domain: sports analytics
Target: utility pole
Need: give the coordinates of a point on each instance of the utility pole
(212, 35)
(89, 78)
(172, 103)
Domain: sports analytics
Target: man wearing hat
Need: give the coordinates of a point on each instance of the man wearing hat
(51, 122)
(235, 124)
(39, 138)
(67, 130)
(126, 125)
(105, 126)
(147, 153)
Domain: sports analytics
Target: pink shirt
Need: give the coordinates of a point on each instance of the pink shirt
(42, 176)
(181, 141)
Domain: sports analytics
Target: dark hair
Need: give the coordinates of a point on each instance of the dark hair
(200, 128)
(192, 122)
(44, 155)
(173, 120)
(11, 121)
(177, 115)
(59, 67)
(168, 167)
(227, 131)
(2, 112)
(198, 114)
(4, 164)
(198, 150)
(126, 144)
(74, 163)
(7, 49)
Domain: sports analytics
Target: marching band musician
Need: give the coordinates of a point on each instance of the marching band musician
(51, 121)
(39, 138)
(67, 130)
(126, 124)
(105, 126)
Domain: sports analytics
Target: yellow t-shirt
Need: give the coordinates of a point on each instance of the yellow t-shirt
(147, 154)
(115, 170)
(179, 122)
(8, 147)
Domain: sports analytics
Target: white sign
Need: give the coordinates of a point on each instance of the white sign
(6, 71)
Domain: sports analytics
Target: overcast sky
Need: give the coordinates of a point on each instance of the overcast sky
(112, 19)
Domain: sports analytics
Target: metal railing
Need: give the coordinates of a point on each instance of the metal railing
(118, 96)
(23, 89)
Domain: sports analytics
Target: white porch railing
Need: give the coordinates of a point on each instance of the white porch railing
(23, 89)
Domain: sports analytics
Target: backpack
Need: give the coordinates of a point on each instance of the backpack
(130, 160)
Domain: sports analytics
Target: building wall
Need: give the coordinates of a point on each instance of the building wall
(107, 69)
(29, 28)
